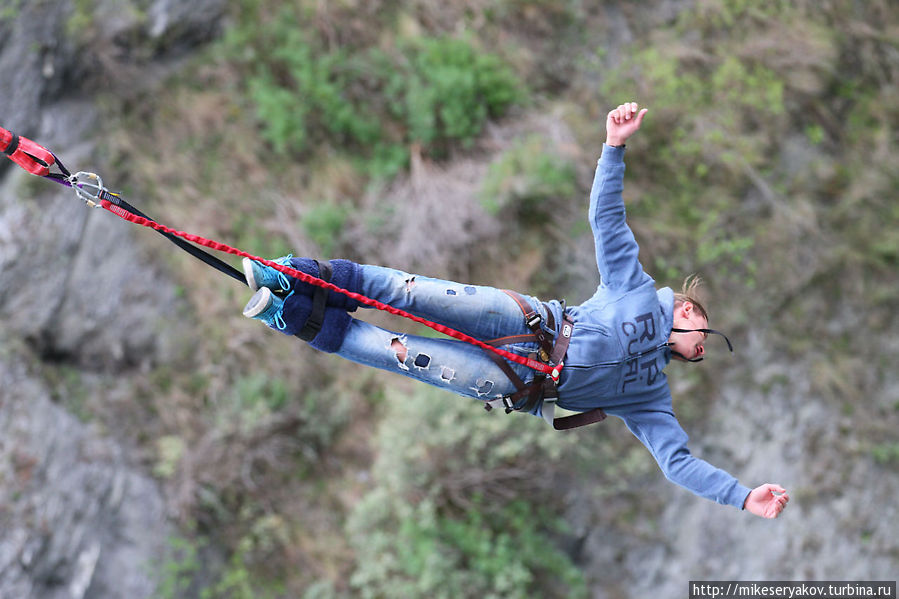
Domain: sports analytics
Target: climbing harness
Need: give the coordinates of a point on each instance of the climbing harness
(90, 189)
(543, 388)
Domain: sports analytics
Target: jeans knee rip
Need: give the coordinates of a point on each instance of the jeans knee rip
(483, 387)
(398, 345)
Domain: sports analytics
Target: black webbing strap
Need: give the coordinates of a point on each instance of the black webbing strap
(193, 250)
(13, 144)
(319, 303)
(576, 420)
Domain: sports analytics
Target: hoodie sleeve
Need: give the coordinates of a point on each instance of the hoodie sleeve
(616, 248)
(661, 433)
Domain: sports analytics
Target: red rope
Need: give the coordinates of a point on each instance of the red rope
(307, 278)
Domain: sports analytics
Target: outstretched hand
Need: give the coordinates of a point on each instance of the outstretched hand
(622, 122)
(767, 501)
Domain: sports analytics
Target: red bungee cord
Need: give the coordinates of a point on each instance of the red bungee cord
(37, 160)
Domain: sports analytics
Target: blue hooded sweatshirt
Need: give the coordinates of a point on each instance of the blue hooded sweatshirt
(619, 350)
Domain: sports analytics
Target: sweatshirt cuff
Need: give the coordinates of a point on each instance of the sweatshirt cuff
(739, 496)
(613, 154)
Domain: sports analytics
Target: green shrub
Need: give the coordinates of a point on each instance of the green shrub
(250, 401)
(178, 568)
(301, 92)
(182, 573)
(10, 10)
(444, 89)
(529, 181)
(323, 223)
(500, 552)
(238, 580)
(886, 454)
(447, 516)
(169, 449)
(372, 101)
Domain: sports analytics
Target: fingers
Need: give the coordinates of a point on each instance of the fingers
(778, 502)
(778, 491)
(626, 112)
(767, 501)
(640, 116)
(622, 122)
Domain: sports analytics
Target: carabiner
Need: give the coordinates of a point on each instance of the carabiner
(89, 188)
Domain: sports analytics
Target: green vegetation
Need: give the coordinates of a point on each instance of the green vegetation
(373, 101)
(482, 553)
(460, 507)
(886, 454)
(10, 10)
(323, 224)
(528, 181)
(177, 569)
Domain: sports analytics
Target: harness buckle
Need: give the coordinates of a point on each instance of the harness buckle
(534, 320)
(557, 370)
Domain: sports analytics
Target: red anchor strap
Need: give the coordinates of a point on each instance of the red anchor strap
(34, 158)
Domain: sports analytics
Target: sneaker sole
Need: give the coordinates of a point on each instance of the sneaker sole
(258, 303)
(248, 273)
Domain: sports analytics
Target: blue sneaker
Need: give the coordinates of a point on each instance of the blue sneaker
(267, 307)
(259, 275)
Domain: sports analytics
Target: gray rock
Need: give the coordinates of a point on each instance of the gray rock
(79, 517)
(76, 513)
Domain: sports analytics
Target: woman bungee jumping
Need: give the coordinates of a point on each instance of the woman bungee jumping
(604, 356)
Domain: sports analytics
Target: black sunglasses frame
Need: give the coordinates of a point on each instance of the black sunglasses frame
(707, 332)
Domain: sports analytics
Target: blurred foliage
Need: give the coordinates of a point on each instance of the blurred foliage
(461, 506)
(493, 553)
(374, 101)
(178, 569)
(251, 400)
(10, 10)
(886, 454)
(170, 449)
(323, 224)
(524, 180)
(182, 573)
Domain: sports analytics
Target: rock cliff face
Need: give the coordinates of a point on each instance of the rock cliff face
(76, 514)
(78, 518)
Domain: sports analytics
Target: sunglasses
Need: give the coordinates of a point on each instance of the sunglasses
(707, 332)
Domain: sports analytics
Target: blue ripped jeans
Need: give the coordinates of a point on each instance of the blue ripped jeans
(484, 313)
